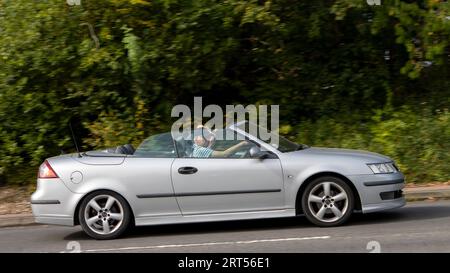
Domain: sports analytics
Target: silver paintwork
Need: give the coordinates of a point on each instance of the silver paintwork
(173, 198)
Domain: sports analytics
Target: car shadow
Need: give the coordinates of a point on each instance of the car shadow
(207, 227)
(414, 213)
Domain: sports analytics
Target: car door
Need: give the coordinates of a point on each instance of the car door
(148, 177)
(232, 184)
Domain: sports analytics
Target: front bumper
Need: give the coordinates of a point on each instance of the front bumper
(380, 191)
(53, 203)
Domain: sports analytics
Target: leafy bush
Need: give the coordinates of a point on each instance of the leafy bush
(103, 62)
(419, 143)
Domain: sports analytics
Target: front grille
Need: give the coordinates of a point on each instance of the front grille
(389, 195)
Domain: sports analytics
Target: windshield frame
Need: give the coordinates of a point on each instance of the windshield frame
(288, 146)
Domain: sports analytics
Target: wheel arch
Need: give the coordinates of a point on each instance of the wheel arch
(76, 221)
(298, 199)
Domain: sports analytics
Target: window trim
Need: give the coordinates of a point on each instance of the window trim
(246, 138)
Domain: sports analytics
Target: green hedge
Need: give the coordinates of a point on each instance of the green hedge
(419, 143)
(116, 69)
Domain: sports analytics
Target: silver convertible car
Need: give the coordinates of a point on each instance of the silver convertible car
(168, 179)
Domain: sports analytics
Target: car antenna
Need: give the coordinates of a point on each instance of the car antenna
(74, 139)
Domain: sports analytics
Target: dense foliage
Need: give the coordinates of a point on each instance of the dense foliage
(344, 73)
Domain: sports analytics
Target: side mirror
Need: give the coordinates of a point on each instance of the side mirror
(255, 152)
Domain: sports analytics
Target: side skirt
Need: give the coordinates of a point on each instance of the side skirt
(178, 219)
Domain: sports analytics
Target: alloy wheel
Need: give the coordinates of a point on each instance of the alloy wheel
(104, 214)
(328, 201)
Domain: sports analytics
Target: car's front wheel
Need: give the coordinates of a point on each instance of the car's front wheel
(104, 215)
(328, 201)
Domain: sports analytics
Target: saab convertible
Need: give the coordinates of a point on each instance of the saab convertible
(197, 178)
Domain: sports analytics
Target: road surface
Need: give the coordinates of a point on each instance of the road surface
(418, 227)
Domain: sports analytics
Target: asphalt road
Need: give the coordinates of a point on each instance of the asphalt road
(418, 227)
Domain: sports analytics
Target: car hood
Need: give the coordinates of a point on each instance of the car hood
(367, 157)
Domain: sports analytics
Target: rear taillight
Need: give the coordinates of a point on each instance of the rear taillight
(46, 171)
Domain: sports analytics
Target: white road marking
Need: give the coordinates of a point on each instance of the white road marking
(209, 244)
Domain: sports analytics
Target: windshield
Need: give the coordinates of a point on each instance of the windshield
(275, 140)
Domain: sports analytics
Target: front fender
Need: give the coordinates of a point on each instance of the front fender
(295, 182)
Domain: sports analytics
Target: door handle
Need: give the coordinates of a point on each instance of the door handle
(187, 170)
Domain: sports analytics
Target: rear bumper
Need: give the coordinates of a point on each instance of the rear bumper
(53, 203)
(54, 220)
(380, 191)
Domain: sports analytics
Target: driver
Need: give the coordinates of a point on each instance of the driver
(203, 140)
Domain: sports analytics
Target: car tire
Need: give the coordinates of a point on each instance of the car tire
(111, 210)
(328, 201)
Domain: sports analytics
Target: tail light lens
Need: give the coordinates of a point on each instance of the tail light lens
(46, 171)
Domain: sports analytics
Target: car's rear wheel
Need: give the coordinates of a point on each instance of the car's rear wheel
(104, 215)
(328, 201)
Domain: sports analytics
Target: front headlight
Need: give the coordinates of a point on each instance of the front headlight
(382, 167)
